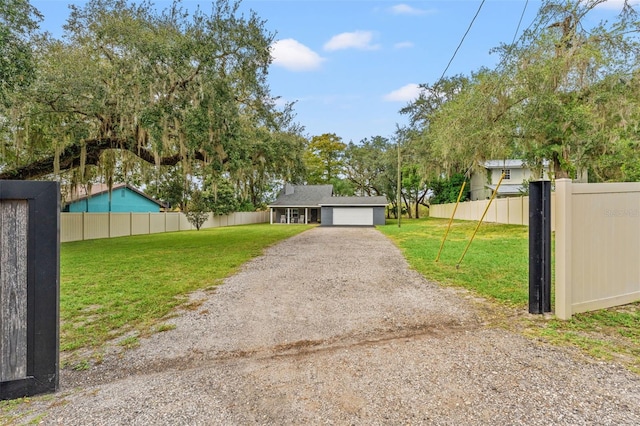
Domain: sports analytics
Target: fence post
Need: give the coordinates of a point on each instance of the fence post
(539, 247)
(29, 288)
(563, 210)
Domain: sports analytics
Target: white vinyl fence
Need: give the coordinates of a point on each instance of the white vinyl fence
(597, 236)
(88, 226)
(510, 211)
(597, 246)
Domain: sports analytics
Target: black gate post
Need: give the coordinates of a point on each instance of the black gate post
(539, 247)
(29, 288)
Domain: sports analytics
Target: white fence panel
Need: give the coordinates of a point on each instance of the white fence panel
(140, 223)
(515, 211)
(597, 246)
(71, 226)
(158, 223)
(502, 210)
(96, 225)
(88, 226)
(510, 211)
(119, 224)
(172, 222)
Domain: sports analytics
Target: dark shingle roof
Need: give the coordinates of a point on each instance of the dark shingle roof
(303, 195)
(354, 201)
(320, 195)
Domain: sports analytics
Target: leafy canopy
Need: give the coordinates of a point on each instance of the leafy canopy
(132, 85)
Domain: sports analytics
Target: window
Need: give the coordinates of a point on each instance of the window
(507, 174)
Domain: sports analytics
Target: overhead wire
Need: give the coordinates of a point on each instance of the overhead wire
(462, 41)
(513, 41)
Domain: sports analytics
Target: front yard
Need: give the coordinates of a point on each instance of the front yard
(496, 268)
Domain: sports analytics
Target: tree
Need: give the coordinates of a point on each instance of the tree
(219, 196)
(447, 190)
(170, 186)
(18, 21)
(551, 97)
(366, 163)
(166, 87)
(323, 158)
(197, 209)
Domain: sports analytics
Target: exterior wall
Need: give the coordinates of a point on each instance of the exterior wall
(479, 179)
(122, 200)
(327, 216)
(517, 175)
(477, 190)
(88, 226)
(379, 217)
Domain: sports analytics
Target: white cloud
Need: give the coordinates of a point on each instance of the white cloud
(405, 9)
(294, 56)
(616, 4)
(403, 45)
(355, 40)
(406, 93)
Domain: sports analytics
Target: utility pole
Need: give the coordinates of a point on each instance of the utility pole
(399, 187)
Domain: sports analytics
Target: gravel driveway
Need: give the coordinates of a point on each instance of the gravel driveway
(332, 327)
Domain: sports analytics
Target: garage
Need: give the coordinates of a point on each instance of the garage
(353, 211)
(358, 216)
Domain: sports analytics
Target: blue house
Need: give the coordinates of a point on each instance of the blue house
(122, 199)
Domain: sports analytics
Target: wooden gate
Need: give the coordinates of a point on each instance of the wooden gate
(29, 288)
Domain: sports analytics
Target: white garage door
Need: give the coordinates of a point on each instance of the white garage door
(353, 216)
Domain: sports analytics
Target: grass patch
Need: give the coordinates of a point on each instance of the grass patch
(126, 286)
(496, 267)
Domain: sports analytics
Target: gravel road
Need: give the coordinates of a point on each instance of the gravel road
(332, 327)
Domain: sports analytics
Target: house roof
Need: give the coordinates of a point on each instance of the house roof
(355, 201)
(509, 164)
(302, 195)
(320, 195)
(80, 193)
(503, 164)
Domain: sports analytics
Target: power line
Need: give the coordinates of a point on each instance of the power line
(462, 41)
(515, 35)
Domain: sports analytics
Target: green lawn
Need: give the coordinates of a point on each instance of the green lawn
(496, 264)
(118, 287)
(496, 267)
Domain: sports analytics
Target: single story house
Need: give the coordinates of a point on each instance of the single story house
(123, 198)
(317, 204)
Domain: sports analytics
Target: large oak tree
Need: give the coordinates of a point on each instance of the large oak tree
(566, 91)
(130, 83)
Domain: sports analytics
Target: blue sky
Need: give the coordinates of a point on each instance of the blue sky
(351, 65)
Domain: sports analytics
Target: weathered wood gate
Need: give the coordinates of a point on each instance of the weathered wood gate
(29, 288)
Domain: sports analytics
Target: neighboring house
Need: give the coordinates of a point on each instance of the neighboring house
(484, 182)
(123, 198)
(316, 204)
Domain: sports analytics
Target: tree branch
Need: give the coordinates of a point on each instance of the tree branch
(71, 156)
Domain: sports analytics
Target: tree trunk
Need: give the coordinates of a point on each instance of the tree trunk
(558, 171)
(408, 206)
